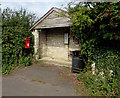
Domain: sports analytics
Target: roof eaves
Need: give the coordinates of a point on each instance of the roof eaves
(45, 15)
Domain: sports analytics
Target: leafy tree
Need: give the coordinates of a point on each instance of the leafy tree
(96, 25)
(15, 28)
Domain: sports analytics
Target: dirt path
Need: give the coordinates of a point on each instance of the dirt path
(39, 80)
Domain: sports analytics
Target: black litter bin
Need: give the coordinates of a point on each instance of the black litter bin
(77, 62)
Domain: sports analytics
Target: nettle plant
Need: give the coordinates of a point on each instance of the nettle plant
(106, 80)
(15, 28)
(107, 68)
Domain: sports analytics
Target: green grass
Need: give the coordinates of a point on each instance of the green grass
(79, 90)
(0, 50)
(0, 58)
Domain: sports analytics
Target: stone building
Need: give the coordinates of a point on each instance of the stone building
(53, 37)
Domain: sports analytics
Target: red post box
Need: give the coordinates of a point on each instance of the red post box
(27, 43)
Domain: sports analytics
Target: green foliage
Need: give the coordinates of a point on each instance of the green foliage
(96, 25)
(99, 86)
(93, 25)
(106, 60)
(15, 27)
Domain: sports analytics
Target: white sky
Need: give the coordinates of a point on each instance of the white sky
(39, 7)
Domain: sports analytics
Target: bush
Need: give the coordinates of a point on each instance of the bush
(106, 84)
(96, 26)
(15, 27)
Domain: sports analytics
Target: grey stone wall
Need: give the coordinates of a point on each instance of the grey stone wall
(50, 43)
(56, 48)
(42, 44)
(36, 43)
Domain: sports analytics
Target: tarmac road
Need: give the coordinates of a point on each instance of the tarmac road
(39, 80)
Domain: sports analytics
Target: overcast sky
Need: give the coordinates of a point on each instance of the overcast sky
(39, 7)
